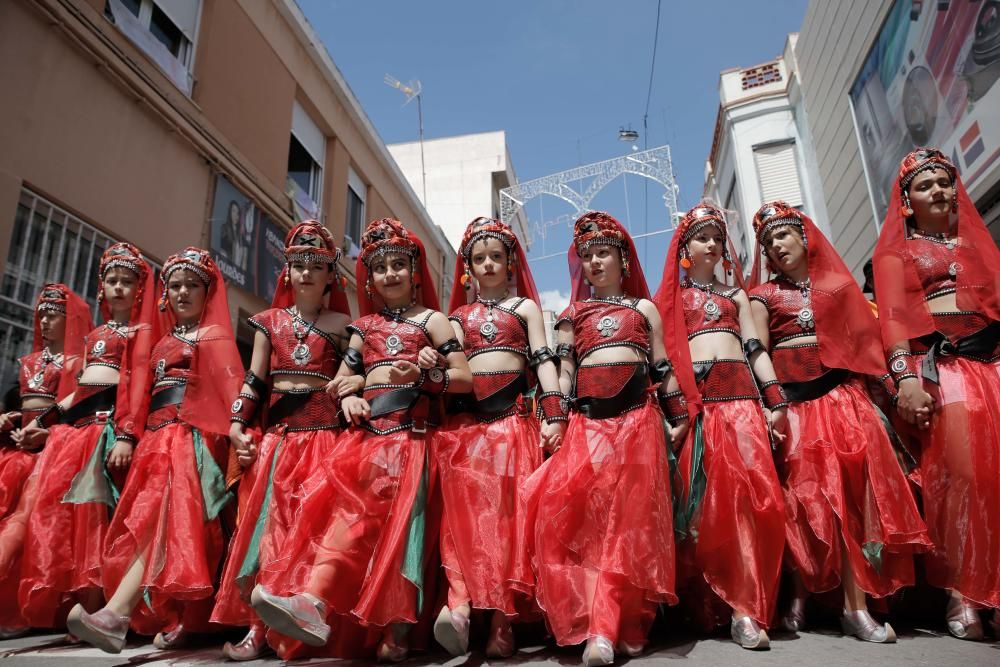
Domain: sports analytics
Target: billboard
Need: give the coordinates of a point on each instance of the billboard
(930, 79)
(246, 244)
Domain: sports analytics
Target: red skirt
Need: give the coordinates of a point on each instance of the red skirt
(15, 468)
(960, 473)
(483, 534)
(358, 542)
(731, 502)
(844, 488)
(168, 513)
(65, 538)
(602, 543)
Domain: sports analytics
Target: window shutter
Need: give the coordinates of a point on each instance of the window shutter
(184, 14)
(778, 173)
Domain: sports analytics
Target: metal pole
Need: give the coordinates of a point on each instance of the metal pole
(423, 168)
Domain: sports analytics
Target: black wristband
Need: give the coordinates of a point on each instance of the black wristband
(50, 416)
(355, 361)
(659, 370)
(565, 351)
(257, 384)
(542, 355)
(449, 346)
(752, 345)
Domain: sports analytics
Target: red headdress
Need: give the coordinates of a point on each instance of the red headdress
(61, 299)
(518, 274)
(903, 312)
(310, 241)
(385, 236)
(216, 368)
(668, 296)
(845, 324)
(600, 228)
(132, 400)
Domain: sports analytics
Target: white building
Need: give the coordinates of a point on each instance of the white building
(761, 150)
(464, 176)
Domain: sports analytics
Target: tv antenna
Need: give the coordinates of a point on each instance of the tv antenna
(412, 90)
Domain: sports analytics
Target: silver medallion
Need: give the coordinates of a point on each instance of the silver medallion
(805, 318)
(99, 348)
(36, 380)
(953, 269)
(488, 330)
(237, 406)
(161, 369)
(301, 354)
(393, 344)
(950, 245)
(436, 375)
(712, 310)
(607, 326)
(899, 365)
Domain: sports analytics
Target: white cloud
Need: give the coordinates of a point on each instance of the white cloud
(554, 300)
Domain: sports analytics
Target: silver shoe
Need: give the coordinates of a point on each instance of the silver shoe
(963, 620)
(794, 619)
(860, 624)
(599, 651)
(749, 635)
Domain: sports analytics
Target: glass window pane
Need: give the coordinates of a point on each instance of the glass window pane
(300, 166)
(166, 31)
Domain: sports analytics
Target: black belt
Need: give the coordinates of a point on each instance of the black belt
(102, 401)
(817, 387)
(393, 401)
(702, 369)
(629, 396)
(287, 405)
(166, 397)
(500, 401)
(979, 344)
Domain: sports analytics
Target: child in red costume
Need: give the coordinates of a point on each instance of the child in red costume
(48, 374)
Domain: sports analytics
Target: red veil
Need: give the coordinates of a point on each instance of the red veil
(903, 312)
(216, 368)
(59, 297)
(389, 236)
(311, 240)
(668, 296)
(132, 400)
(600, 228)
(846, 328)
(463, 289)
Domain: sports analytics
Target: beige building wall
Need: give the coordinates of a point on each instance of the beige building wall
(93, 125)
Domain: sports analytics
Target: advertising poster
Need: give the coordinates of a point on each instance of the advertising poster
(930, 80)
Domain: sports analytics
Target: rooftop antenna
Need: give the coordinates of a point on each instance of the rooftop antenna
(412, 90)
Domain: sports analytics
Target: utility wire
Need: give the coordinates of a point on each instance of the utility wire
(645, 133)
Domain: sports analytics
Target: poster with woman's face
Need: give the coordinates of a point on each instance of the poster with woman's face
(232, 232)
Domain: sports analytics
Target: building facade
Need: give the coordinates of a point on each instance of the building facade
(881, 77)
(169, 123)
(761, 149)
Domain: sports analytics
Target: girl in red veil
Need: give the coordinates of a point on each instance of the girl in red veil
(48, 374)
(730, 512)
(86, 455)
(360, 582)
(298, 347)
(165, 541)
(491, 444)
(937, 283)
(851, 520)
(598, 512)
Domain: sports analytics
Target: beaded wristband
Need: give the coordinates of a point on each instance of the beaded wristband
(553, 406)
(773, 395)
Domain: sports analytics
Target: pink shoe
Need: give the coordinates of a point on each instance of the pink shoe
(451, 630)
(173, 639)
(391, 648)
(501, 641)
(13, 633)
(104, 629)
(295, 616)
(251, 647)
(598, 651)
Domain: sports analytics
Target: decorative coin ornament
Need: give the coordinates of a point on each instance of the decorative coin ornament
(953, 269)
(607, 326)
(161, 369)
(36, 380)
(899, 365)
(301, 354)
(99, 348)
(237, 406)
(712, 310)
(394, 344)
(805, 318)
(489, 330)
(435, 375)
(950, 244)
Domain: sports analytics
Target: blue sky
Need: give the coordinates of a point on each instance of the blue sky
(560, 77)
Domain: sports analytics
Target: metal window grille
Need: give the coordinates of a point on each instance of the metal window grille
(48, 244)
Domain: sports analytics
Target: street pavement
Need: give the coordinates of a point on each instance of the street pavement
(915, 647)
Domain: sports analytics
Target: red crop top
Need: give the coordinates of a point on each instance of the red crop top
(316, 354)
(505, 331)
(697, 318)
(600, 323)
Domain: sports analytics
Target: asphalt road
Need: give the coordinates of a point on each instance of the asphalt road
(915, 647)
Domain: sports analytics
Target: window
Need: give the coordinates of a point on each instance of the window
(47, 245)
(778, 171)
(163, 29)
(306, 153)
(356, 191)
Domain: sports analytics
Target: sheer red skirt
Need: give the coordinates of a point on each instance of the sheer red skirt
(64, 542)
(736, 534)
(601, 538)
(960, 478)
(844, 489)
(483, 534)
(15, 468)
(168, 514)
